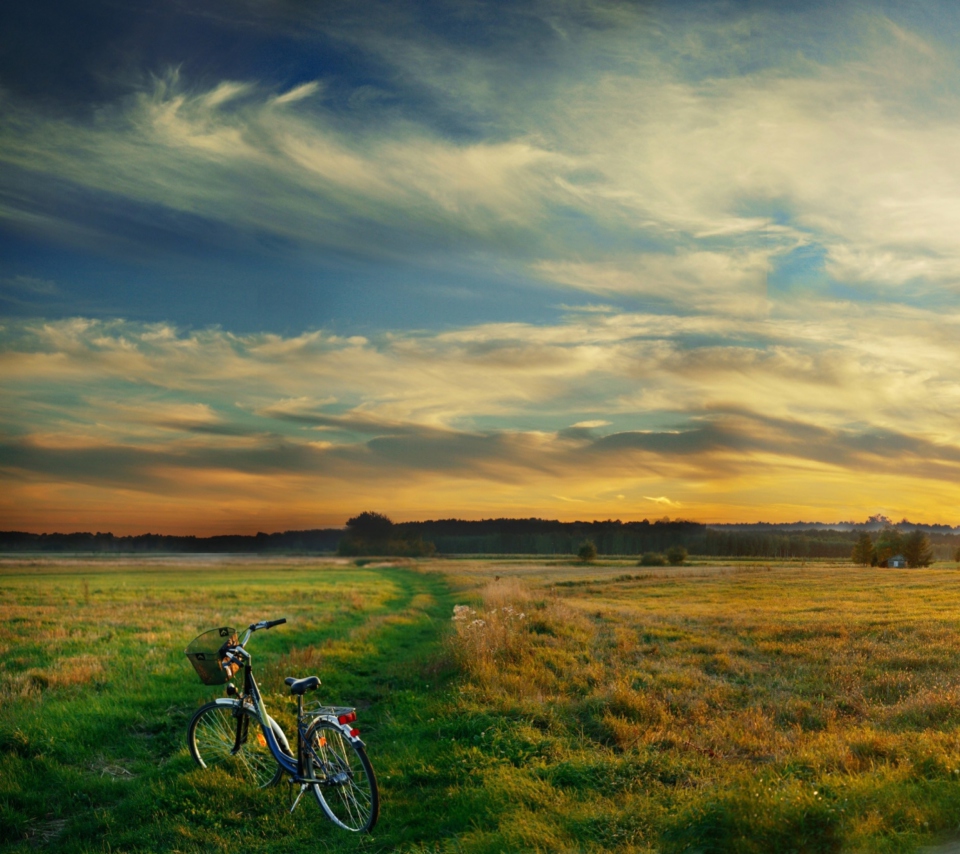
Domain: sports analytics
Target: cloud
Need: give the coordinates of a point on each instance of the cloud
(645, 165)
(306, 413)
(662, 499)
(298, 93)
(838, 364)
(319, 182)
(758, 206)
(692, 412)
(706, 280)
(27, 293)
(30, 285)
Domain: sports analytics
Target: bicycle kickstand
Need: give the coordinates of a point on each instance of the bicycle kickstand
(296, 801)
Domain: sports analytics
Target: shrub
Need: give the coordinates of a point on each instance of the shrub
(652, 559)
(676, 555)
(587, 552)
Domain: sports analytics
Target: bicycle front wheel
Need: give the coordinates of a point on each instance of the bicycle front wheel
(227, 736)
(348, 793)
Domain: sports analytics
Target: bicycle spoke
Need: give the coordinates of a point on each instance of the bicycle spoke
(214, 736)
(215, 739)
(349, 797)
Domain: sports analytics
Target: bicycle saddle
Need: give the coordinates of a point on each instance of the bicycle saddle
(301, 686)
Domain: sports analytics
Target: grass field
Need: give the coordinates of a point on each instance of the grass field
(742, 708)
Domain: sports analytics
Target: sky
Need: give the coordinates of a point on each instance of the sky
(267, 264)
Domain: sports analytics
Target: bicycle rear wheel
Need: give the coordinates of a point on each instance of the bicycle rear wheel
(212, 738)
(348, 795)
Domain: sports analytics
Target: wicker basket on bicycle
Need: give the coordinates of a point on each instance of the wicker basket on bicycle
(206, 655)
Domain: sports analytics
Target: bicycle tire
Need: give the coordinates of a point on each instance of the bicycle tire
(349, 796)
(212, 735)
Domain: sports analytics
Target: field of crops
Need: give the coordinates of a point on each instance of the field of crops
(739, 708)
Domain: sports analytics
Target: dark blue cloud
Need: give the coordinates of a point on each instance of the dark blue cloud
(73, 54)
(727, 444)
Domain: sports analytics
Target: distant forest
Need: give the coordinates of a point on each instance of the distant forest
(612, 537)
(512, 536)
(317, 541)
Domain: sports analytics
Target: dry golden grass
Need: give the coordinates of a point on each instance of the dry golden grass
(842, 679)
(69, 623)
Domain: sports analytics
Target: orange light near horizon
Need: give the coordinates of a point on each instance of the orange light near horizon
(204, 502)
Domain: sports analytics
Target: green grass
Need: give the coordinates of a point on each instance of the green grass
(730, 708)
(95, 696)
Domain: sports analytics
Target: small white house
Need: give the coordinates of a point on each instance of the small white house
(897, 562)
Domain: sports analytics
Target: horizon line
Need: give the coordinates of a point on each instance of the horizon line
(876, 520)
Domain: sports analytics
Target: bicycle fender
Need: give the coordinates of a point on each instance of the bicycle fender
(281, 736)
(344, 728)
(354, 738)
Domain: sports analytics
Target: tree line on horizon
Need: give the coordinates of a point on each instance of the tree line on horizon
(316, 541)
(375, 534)
(613, 537)
(914, 547)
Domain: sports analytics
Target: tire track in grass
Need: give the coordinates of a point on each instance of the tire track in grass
(391, 667)
(389, 650)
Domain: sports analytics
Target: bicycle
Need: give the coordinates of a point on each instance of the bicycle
(237, 733)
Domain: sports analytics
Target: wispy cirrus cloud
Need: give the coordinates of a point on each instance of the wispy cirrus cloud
(712, 281)
(662, 499)
(199, 151)
(718, 177)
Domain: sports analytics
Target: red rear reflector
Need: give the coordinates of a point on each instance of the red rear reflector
(354, 733)
(348, 718)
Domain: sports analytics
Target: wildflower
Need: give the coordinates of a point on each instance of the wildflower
(462, 612)
(478, 624)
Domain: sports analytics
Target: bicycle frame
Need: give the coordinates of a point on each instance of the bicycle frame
(251, 693)
(329, 760)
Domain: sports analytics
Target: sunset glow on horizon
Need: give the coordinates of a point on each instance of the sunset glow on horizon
(265, 267)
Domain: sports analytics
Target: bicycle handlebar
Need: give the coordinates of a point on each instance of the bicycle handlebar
(263, 624)
(266, 624)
